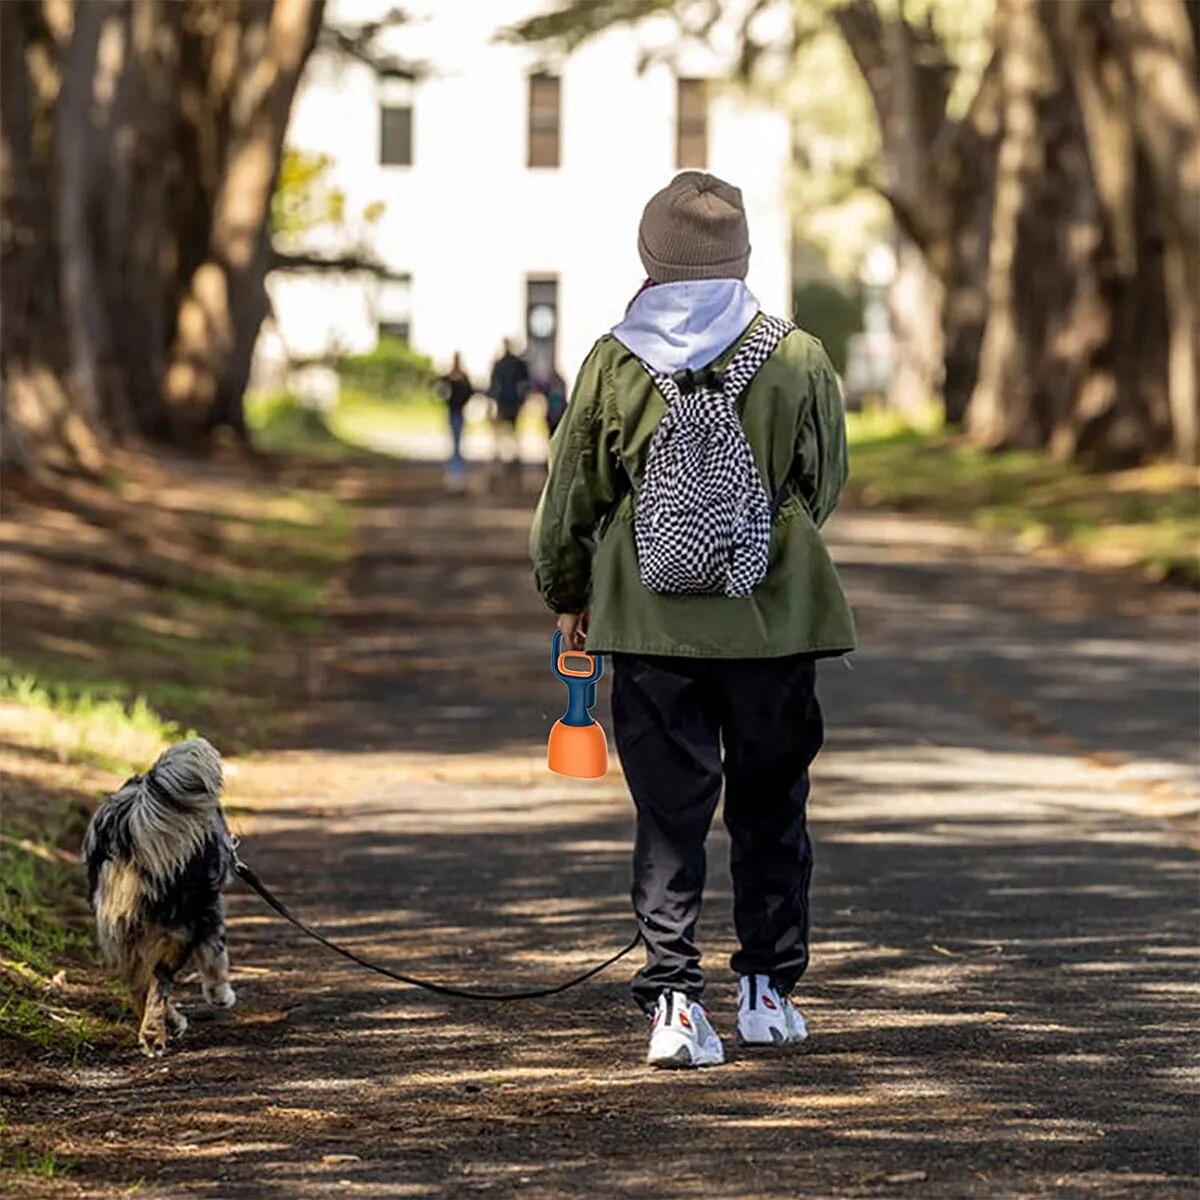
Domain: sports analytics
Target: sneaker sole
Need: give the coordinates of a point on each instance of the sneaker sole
(682, 1060)
(782, 1044)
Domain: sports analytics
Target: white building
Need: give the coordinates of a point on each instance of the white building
(512, 179)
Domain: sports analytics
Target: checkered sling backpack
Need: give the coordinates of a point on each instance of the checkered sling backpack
(702, 522)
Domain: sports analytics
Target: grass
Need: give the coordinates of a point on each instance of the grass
(359, 421)
(34, 873)
(47, 1164)
(187, 651)
(43, 935)
(1146, 519)
(359, 413)
(280, 424)
(231, 578)
(78, 724)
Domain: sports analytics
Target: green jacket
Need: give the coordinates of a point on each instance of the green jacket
(582, 541)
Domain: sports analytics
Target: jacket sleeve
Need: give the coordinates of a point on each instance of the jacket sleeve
(579, 491)
(822, 460)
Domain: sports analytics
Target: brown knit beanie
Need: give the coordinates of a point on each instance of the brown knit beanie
(695, 228)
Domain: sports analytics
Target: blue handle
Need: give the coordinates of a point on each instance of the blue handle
(581, 689)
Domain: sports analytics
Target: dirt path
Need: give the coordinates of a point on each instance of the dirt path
(1003, 981)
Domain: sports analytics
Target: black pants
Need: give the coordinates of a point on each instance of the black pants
(681, 725)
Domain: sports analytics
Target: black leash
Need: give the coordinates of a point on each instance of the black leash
(442, 989)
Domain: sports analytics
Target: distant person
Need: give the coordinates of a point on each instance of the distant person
(703, 448)
(456, 389)
(508, 389)
(553, 389)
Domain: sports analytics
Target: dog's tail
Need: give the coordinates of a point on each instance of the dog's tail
(147, 831)
(187, 776)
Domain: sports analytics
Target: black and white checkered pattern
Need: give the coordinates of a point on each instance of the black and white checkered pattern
(703, 519)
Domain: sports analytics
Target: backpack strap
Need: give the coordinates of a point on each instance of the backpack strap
(751, 355)
(743, 367)
(732, 382)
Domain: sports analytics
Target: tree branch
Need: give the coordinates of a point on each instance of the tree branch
(359, 43)
(303, 261)
(573, 23)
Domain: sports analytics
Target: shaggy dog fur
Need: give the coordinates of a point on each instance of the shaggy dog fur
(158, 853)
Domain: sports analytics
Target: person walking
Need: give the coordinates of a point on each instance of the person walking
(553, 389)
(678, 532)
(508, 389)
(456, 390)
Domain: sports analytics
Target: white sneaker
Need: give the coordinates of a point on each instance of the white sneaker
(682, 1035)
(765, 1018)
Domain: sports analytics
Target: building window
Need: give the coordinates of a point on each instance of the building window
(393, 307)
(395, 122)
(544, 119)
(541, 324)
(691, 123)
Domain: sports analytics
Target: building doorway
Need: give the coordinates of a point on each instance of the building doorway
(541, 324)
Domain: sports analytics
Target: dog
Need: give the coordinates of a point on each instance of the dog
(158, 852)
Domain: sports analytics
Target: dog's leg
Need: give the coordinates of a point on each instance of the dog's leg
(152, 1036)
(138, 990)
(212, 961)
(164, 958)
(176, 1021)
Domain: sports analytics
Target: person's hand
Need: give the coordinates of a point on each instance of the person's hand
(573, 627)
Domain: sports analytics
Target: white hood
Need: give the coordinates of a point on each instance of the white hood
(682, 326)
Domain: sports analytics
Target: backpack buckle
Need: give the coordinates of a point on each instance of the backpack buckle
(688, 381)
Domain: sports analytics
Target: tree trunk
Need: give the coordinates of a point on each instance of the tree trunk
(936, 176)
(41, 422)
(138, 129)
(915, 301)
(209, 337)
(966, 165)
(1157, 44)
(251, 306)
(1001, 407)
(74, 139)
(140, 141)
(1078, 347)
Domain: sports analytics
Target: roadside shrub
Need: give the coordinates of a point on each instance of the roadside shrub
(392, 370)
(279, 421)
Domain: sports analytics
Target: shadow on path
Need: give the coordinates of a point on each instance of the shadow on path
(1003, 987)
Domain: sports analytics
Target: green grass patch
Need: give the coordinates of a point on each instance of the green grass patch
(80, 724)
(54, 1029)
(43, 933)
(45, 1164)
(181, 662)
(1147, 519)
(377, 406)
(206, 643)
(393, 367)
(367, 420)
(281, 424)
(360, 413)
(34, 874)
(77, 691)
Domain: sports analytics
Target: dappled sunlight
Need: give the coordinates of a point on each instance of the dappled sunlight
(1003, 927)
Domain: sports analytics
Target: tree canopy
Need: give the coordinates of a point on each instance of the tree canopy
(1039, 161)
